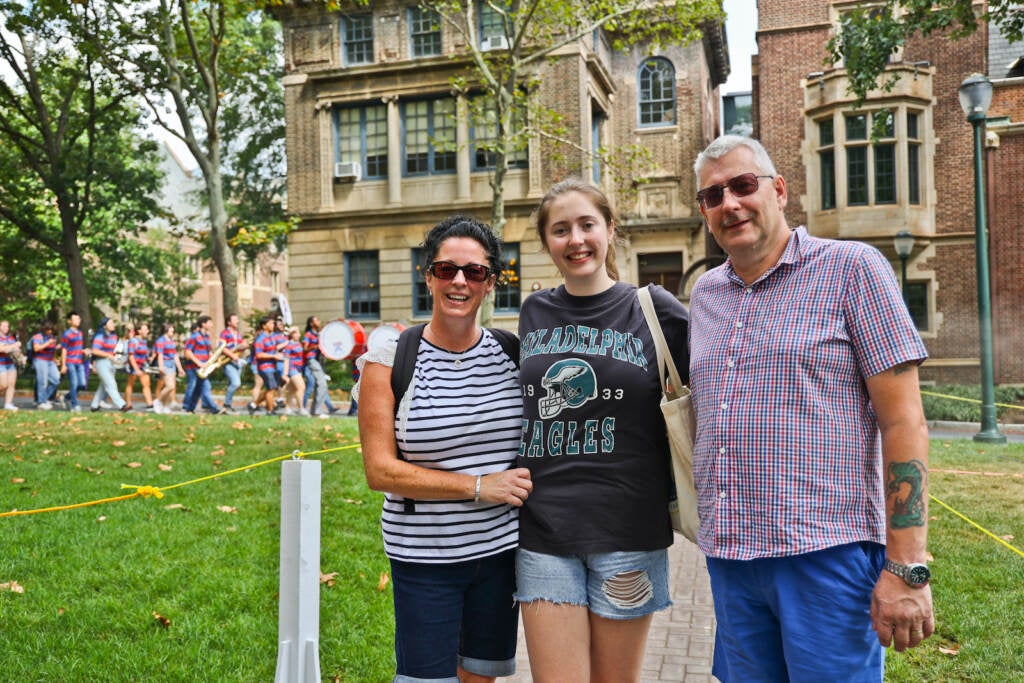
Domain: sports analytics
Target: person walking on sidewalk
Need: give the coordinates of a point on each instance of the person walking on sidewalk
(811, 453)
(72, 361)
(234, 346)
(10, 347)
(169, 362)
(103, 347)
(44, 348)
(138, 360)
(197, 352)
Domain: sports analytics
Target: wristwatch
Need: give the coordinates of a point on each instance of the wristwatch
(915, 574)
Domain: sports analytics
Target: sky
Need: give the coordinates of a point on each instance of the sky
(740, 24)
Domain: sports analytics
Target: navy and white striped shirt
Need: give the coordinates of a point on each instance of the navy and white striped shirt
(462, 413)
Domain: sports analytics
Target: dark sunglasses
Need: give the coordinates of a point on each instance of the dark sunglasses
(446, 270)
(740, 186)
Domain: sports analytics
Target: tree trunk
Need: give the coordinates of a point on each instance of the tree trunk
(71, 254)
(219, 249)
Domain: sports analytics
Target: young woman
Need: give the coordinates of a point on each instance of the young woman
(138, 357)
(592, 565)
(445, 460)
(166, 349)
(10, 347)
(295, 384)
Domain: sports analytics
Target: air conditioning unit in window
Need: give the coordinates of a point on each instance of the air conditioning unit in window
(349, 171)
(488, 43)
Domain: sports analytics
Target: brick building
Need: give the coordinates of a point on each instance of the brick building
(368, 98)
(918, 176)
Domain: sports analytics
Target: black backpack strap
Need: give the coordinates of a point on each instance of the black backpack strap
(402, 372)
(509, 343)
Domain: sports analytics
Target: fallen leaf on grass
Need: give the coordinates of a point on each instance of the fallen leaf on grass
(77, 419)
(951, 651)
(101, 518)
(353, 502)
(134, 465)
(228, 509)
(241, 425)
(163, 445)
(18, 480)
(117, 443)
(164, 468)
(176, 506)
(47, 451)
(328, 578)
(162, 620)
(12, 586)
(1007, 537)
(218, 452)
(382, 583)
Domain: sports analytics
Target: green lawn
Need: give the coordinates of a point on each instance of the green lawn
(93, 577)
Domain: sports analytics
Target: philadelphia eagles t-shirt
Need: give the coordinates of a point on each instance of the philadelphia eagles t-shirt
(593, 435)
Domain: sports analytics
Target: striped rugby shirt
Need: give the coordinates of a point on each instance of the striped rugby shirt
(463, 413)
(788, 458)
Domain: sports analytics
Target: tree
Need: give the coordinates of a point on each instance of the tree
(869, 35)
(75, 176)
(532, 31)
(209, 73)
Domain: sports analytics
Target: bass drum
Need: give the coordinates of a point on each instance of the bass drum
(341, 339)
(383, 334)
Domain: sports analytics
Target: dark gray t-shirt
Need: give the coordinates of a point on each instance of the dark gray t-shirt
(593, 435)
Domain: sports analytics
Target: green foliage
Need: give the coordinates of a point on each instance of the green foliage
(939, 408)
(869, 35)
(94, 577)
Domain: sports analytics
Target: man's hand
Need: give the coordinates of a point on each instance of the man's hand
(900, 614)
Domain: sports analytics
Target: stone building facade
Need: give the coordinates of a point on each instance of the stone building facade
(369, 95)
(918, 176)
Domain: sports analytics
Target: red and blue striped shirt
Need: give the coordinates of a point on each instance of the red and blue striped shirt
(71, 340)
(6, 362)
(167, 349)
(312, 341)
(265, 343)
(138, 348)
(42, 354)
(296, 357)
(105, 342)
(199, 344)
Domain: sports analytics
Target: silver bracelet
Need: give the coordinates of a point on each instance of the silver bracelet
(476, 493)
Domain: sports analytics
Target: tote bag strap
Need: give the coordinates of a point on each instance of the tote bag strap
(660, 345)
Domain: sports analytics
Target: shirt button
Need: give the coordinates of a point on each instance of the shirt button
(722, 495)
(722, 450)
(725, 406)
(730, 363)
(739, 323)
(749, 290)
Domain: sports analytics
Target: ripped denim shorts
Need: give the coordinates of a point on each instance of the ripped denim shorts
(617, 585)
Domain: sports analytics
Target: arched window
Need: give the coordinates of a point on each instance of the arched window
(657, 97)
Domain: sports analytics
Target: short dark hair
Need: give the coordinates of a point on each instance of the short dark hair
(71, 313)
(202, 320)
(464, 226)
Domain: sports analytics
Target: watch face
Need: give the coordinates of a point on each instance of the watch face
(918, 574)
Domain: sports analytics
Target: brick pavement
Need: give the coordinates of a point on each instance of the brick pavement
(681, 639)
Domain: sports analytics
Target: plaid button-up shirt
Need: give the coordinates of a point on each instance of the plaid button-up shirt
(788, 456)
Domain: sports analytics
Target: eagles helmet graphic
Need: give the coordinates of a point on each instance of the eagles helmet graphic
(570, 383)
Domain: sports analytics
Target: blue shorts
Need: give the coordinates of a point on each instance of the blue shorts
(270, 382)
(593, 581)
(800, 618)
(455, 615)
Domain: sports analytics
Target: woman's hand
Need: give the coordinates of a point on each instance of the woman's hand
(511, 486)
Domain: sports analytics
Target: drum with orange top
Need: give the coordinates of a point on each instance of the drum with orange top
(341, 339)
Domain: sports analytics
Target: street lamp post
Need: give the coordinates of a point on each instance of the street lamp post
(975, 98)
(903, 243)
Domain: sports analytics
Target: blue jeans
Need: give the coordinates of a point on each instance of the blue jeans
(196, 386)
(108, 384)
(799, 618)
(47, 379)
(452, 615)
(234, 376)
(316, 380)
(76, 382)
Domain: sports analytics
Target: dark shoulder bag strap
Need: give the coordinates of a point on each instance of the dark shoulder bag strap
(509, 343)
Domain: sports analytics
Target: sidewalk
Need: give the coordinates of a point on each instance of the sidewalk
(682, 637)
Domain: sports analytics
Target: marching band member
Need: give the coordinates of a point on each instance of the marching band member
(72, 362)
(234, 345)
(44, 346)
(197, 352)
(316, 378)
(103, 345)
(267, 355)
(295, 385)
(9, 346)
(167, 360)
(138, 356)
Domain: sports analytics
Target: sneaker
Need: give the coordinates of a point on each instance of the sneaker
(94, 409)
(76, 409)
(11, 407)
(304, 413)
(227, 410)
(252, 408)
(279, 403)
(65, 402)
(222, 411)
(158, 407)
(105, 405)
(324, 416)
(126, 408)
(45, 405)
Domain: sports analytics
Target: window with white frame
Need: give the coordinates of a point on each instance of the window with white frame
(362, 280)
(429, 141)
(492, 23)
(484, 134)
(424, 32)
(357, 39)
(362, 136)
(877, 150)
(656, 98)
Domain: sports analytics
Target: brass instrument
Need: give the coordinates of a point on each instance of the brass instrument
(120, 359)
(18, 356)
(217, 359)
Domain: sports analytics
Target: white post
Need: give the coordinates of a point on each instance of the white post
(298, 649)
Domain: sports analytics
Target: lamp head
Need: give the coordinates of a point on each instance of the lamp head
(975, 97)
(903, 243)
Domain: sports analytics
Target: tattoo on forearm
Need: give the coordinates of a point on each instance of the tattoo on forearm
(906, 486)
(901, 368)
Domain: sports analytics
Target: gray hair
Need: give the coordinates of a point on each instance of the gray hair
(724, 144)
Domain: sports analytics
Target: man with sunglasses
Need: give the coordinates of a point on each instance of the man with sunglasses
(812, 449)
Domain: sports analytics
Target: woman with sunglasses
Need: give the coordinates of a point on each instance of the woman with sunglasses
(445, 458)
(592, 565)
